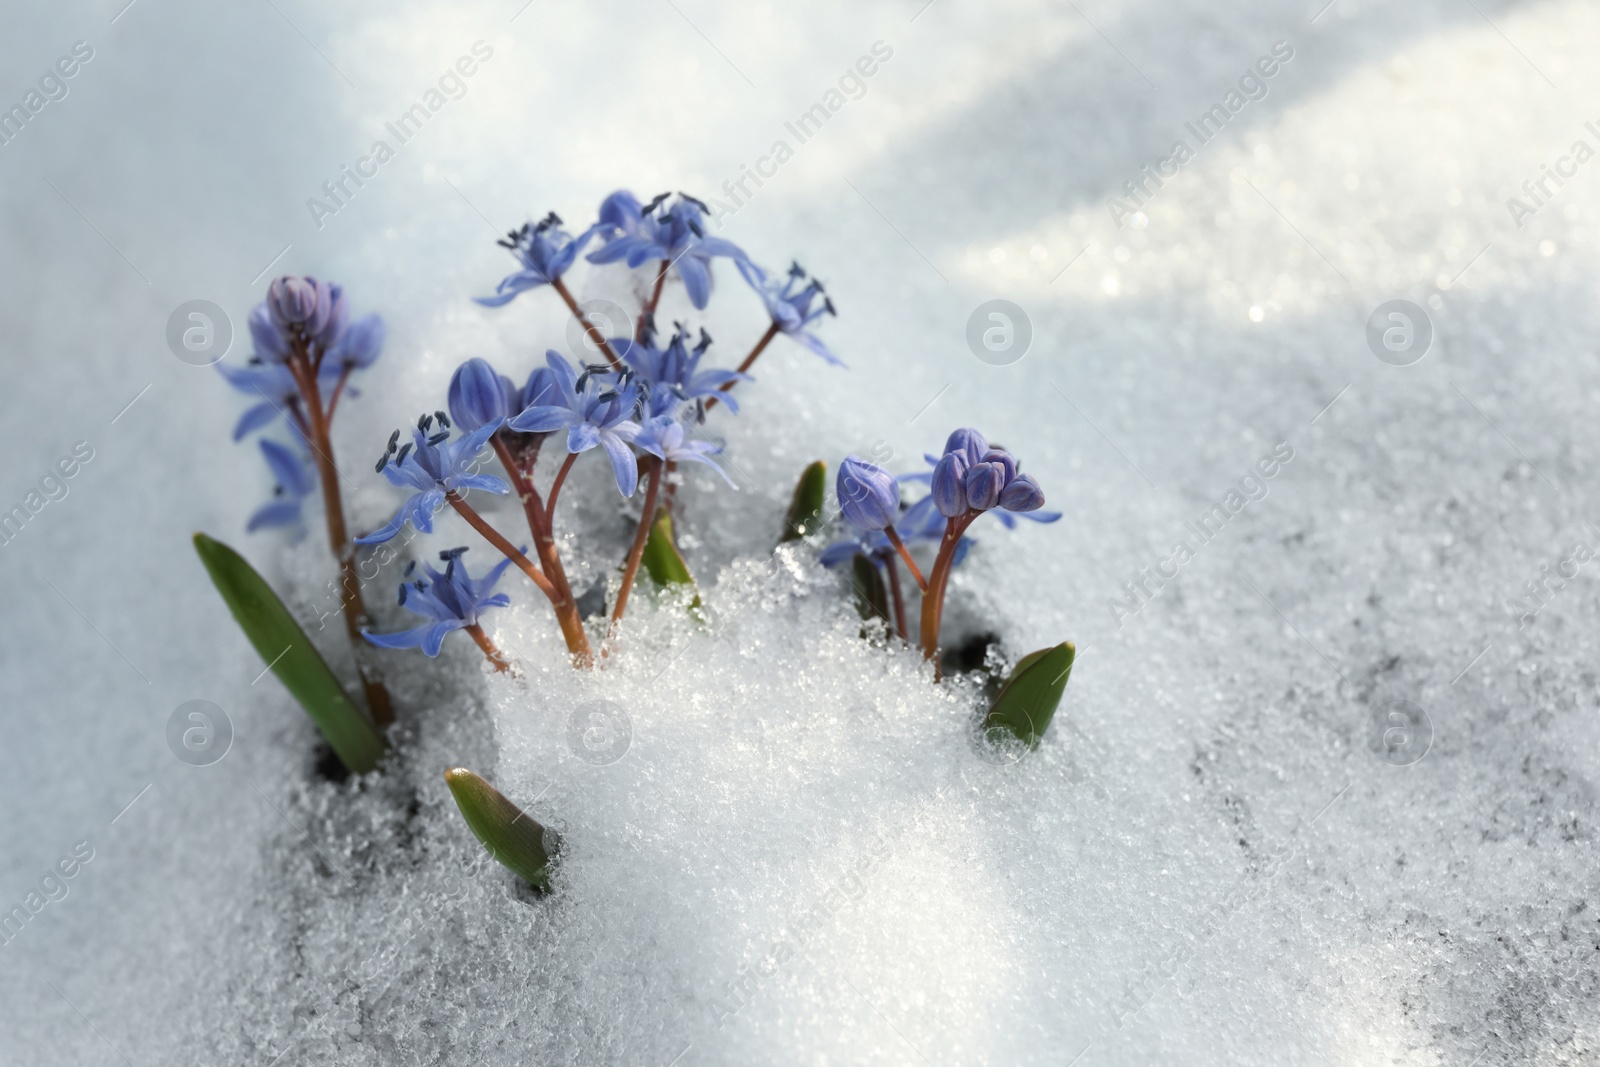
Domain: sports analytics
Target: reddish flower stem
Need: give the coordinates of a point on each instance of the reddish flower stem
(555, 486)
(593, 331)
(351, 605)
(338, 390)
(566, 610)
(540, 525)
(933, 598)
(647, 518)
(749, 361)
(648, 314)
(494, 655)
(900, 547)
(899, 602)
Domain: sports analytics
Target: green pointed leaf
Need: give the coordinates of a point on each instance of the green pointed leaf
(282, 644)
(1027, 702)
(661, 557)
(872, 599)
(805, 510)
(519, 843)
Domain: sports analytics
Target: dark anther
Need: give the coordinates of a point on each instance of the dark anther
(401, 458)
(409, 568)
(394, 439)
(451, 553)
(383, 461)
(403, 589)
(424, 421)
(442, 435)
(444, 420)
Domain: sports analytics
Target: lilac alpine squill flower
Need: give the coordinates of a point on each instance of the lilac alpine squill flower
(359, 346)
(971, 478)
(675, 234)
(436, 466)
(664, 438)
(869, 496)
(920, 523)
(450, 601)
(274, 387)
(545, 250)
(793, 307)
(271, 345)
(308, 309)
(678, 367)
(596, 409)
(953, 481)
(479, 395)
(295, 481)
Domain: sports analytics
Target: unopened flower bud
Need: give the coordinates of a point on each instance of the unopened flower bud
(983, 484)
(970, 443)
(292, 300)
(869, 496)
(1023, 494)
(949, 485)
(478, 395)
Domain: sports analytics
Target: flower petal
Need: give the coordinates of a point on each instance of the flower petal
(401, 639)
(623, 463)
(696, 280)
(254, 418)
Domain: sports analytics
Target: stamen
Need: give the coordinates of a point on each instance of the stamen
(401, 458)
(442, 435)
(444, 420)
(393, 439)
(383, 461)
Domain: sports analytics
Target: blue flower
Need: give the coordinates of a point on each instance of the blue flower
(358, 346)
(437, 466)
(676, 234)
(271, 345)
(664, 438)
(920, 522)
(869, 496)
(677, 367)
(451, 601)
(545, 251)
(274, 386)
(951, 474)
(793, 308)
(295, 481)
(973, 476)
(311, 310)
(596, 409)
(479, 395)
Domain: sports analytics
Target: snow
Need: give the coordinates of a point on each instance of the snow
(799, 855)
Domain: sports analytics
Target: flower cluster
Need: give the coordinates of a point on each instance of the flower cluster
(644, 408)
(305, 350)
(971, 478)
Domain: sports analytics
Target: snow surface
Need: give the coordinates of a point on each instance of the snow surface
(800, 857)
